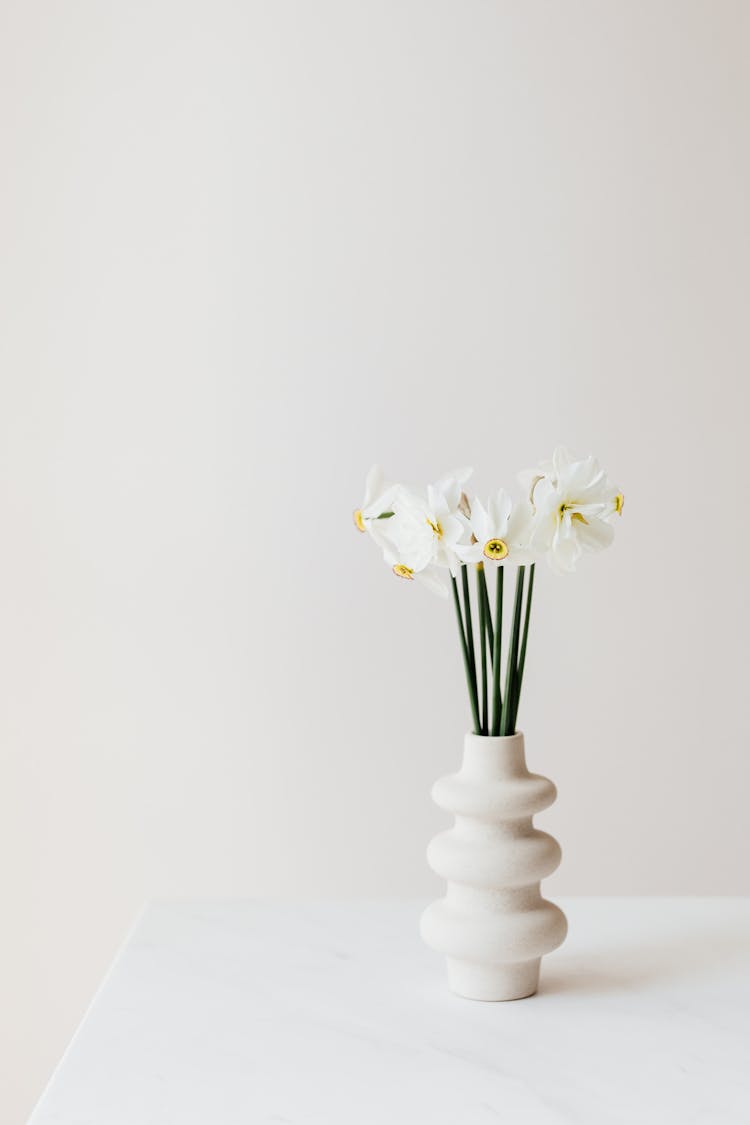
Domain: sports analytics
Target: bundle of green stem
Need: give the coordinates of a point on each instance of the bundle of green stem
(496, 715)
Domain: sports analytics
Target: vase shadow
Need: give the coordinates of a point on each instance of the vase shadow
(690, 952)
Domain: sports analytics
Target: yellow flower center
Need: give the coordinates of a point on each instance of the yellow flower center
(573, 515)
(495, 549)
(619, 503)
(402, 571)
(436, 528)
(359, 522)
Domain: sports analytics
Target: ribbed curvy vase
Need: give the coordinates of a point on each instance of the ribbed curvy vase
(493, 924)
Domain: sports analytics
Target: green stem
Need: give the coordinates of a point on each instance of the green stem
(482, 642)
(506, 726)
(497, 699)
(470, 682)
(522, 655)
(487, 612)
(470, 634)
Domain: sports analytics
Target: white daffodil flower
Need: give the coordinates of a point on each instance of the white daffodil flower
(426, 530)
(572, 501)
(429, 576)
(406, 549)
(419, 540)
(500, 532)
(377, 499)
(450, 486)
(617, 504)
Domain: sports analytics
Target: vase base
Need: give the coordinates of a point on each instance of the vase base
(511, 981)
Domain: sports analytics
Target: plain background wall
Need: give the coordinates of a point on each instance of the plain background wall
(249, 248)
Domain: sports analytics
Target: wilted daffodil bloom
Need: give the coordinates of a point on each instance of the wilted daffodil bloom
(500, 532)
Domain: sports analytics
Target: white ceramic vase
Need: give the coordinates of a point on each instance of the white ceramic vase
(493, 924)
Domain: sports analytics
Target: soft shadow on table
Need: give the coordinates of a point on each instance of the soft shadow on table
(694, 954)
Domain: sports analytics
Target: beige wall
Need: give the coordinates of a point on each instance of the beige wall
(247, 249)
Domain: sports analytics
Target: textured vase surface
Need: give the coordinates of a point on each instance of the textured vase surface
(493, 924)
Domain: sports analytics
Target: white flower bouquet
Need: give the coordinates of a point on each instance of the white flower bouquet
(432, 536)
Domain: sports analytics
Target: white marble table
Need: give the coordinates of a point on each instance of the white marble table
(335, 1014)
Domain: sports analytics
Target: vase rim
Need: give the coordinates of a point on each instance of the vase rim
(494, 737)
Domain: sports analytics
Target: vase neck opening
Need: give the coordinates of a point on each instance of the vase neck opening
(490, 757)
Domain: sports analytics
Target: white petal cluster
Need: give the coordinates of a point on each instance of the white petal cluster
(423, 534)
(573, 503)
